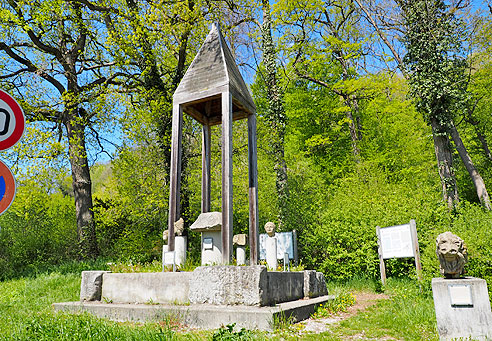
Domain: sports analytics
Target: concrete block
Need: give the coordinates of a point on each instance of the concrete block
(91, 285)
(314, 284)
(229, 285)
(248, 285)
(271, 253)
(240, 255)
(284, 287)
(180, 243)
(211, 248)
(462, 308)
(157, 287)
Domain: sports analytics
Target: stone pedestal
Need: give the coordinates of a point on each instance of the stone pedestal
(462, 308)
(211, 248)
(241, 255)
(271, 252)
(180, 248)
(210, 225)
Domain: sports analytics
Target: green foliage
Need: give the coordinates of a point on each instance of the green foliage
(339, 304)
(433, 39)
(39, 229)
(228, 333)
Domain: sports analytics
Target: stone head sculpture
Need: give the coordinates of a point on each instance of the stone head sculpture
(179, 227)
(165, 235)
(270, 229)
(452, 254)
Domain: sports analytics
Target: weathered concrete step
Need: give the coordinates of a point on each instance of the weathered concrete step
(205, 316)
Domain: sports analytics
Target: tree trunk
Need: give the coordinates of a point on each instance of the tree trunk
(275, 114)
(444, 157)
(482, 193)
(81, 183)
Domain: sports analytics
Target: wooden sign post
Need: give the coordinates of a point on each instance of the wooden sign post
(398, 242)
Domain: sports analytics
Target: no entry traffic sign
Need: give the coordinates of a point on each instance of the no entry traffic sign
(12, 121)
(7, 187)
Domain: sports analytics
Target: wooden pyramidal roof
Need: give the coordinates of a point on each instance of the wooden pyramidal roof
(212, 72)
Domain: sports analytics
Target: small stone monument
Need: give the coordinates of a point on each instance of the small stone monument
(180, 242)
(452, 254)
(462, 303)
(165, 247)
(240, 240)
(271, 246)
(210, 225)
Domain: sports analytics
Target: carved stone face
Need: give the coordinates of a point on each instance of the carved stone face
(270, 229)
(179, 227)
(452, 254)
(165, 235)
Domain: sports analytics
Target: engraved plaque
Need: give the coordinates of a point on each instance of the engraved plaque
(460, 295)
(208, 243)
(169, 258)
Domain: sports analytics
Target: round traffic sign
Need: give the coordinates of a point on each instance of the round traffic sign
(12, 121)
(7, 187)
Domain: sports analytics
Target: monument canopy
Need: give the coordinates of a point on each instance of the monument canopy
(212, 71)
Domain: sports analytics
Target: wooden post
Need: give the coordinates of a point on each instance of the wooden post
(175, 173)
(254, 242)
(382, 268)
(206, 156)
(415, 244)
(226, 177)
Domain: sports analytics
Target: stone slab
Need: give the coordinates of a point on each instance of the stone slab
(204, 316)
(229, 285)
(462, 308)
(153, 287)
(248, 285)
(91, 285)
(314, 284)
(209, 221)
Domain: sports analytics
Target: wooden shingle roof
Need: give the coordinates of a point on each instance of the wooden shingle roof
(212, 72)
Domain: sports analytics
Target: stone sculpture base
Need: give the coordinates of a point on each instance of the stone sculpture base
(462, 308)
(250, 296)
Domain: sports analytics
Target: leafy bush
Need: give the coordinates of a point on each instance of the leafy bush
(39, 229)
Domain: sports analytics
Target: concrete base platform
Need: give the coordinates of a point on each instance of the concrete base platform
(205, 316)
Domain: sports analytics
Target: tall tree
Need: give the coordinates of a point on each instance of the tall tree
(327, 47)
(53, 45)
(275, 112)
(436, 67)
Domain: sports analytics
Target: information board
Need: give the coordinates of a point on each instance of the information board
(285, 244)
(396, 241)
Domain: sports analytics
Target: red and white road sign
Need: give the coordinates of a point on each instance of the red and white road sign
(7, 187)
(12, 121)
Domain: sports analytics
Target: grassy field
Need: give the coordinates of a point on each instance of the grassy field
(26, 314)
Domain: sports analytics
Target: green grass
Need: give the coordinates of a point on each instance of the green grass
(407, 315)
(26, 314)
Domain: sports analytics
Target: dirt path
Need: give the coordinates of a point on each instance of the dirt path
(363, 300)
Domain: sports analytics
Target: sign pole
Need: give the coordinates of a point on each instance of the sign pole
(382, 268)
(415, 242)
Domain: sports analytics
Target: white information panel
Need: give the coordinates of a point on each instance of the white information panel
(285, 244)
(460, 295)
(396, 241)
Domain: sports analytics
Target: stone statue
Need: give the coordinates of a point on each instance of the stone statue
(165, 236)
(452, 254)
(270, 229)
(240, 239)
(179, 227)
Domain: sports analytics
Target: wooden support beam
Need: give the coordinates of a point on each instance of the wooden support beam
(254, 242)
(226, 177)
(175, 173)
(382, 268)
(415, 243)
(206, 157)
